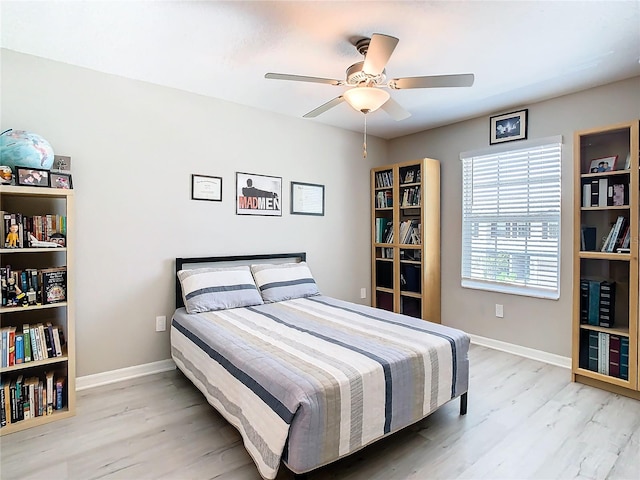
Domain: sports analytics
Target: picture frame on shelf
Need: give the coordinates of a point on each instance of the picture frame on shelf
(603, 164)
(258, 194)
(508, 127)
(206, 187)
(32, 177)
(307, 199)
(61, 180)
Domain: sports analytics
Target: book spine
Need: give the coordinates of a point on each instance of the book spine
(607, 304)
(603, 353)
(3, 412)
(614, 356)
(27, 343)
(594, 302)
(624, 358)
(19, 348)
(593, 351)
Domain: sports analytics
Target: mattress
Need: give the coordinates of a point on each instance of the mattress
(311, 380)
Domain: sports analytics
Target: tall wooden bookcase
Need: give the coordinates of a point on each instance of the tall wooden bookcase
(606, 282)
(405, 238)
(32, 201)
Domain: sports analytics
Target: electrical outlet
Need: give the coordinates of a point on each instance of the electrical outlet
(499, 311)
(363, 293)
(161, 323)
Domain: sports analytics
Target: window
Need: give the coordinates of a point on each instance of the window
(511, 218)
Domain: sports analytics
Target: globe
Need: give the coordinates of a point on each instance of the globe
(19, 148)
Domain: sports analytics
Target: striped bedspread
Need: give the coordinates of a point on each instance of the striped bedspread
(311, 380)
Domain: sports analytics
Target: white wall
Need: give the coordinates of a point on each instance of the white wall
(534, 323)
(134, 147)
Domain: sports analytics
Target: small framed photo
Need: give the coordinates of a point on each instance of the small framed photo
(206, 187)
(61, 180)
(307, 199)
(508, 127)
(258, 194)
(604, 164)
(32, 177)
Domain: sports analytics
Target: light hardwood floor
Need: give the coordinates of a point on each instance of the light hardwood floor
(525, 420)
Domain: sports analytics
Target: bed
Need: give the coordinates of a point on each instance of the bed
(305, 378)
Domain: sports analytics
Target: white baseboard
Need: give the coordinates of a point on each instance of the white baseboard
(526, 352)
(113, 376)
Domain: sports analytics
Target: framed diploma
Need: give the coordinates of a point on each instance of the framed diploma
(307, 199)
(205, 187)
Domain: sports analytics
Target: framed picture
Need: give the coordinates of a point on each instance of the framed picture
(258, 194)
(206, 187)
(61, 180)
(508, 127)
(604, 164)
(307, 199)
(32, 177)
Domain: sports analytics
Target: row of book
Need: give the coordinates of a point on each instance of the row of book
(411, 196)
(384, 199)
(384, 230)
(597, 302)
(24, 231)
(30, 344)
(386, 253)
(32, 286)
(619, 237)
(384, 179)
(410, 175)
(410, 232)
(27, 398)
(605, 353)
(603, 192)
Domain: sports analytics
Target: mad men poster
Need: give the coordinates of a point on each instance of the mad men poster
(258, 194)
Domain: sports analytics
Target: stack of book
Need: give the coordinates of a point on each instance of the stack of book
(27, 398)
(597, 302)
(32, 343)
(384, 179)
(32, 286)
(605, 353)
(618, 238)
(43, 228)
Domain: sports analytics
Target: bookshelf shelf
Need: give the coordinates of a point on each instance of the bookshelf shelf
(21, 321)
(407, 280)
(605, 292)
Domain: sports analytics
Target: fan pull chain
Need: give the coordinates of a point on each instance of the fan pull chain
(364, 145)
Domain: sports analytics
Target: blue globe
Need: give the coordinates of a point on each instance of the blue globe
(25, 149)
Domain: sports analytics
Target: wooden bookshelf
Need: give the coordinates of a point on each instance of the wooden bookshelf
(32, 201)
(406, 270)
(594, 361)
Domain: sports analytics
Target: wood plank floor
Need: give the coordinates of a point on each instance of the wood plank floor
(526, 420)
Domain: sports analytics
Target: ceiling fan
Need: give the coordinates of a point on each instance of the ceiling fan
(367, 78)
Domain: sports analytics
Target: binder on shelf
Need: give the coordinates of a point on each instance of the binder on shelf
(593, 351)
(607, 303)
(624, 358)
(614, 356)
(594, 303)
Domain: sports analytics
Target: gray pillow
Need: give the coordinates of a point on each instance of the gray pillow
(208, 289)
(284, 281)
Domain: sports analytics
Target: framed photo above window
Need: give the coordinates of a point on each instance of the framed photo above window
(31, 177)
(307, 199)
(508, 127)
(258, 195)
(206, 187)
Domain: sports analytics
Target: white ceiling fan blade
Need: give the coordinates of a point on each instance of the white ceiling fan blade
(302, 78)
(433, 81)
(323, 108)
(395, 110)
(378, 53)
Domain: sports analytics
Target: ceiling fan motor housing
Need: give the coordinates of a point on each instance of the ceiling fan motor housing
(356, 76)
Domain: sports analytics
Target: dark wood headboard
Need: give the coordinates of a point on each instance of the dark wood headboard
(227, 261)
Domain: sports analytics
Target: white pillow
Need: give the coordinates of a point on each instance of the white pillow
(208, 289)
(284, 281)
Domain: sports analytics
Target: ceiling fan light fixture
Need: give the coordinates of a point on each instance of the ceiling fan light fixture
(366, 99)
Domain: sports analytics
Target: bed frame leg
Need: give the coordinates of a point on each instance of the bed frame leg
(463, 403)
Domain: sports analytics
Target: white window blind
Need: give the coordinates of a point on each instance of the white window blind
(511, 219)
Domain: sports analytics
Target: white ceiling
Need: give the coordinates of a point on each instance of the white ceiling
(520, 51)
